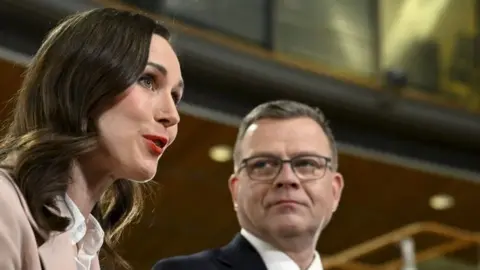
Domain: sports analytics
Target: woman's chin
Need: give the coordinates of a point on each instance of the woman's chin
(141, 181)
(143, 175)
(142, 178)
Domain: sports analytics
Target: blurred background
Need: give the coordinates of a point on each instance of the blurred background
(399, 80)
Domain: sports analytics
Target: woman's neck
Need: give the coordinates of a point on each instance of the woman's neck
(88, 185)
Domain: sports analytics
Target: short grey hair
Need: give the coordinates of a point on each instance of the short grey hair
(282, 110)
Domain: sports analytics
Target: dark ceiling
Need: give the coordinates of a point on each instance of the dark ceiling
(229, 75)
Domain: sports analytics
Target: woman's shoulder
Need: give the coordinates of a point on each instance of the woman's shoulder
(17, 239)
(12, 203)
(8, 188)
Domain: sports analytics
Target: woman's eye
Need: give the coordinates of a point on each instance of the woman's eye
(176, 97)
(147, 81)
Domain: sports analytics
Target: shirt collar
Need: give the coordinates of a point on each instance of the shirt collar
(88, 233)
(276, 259)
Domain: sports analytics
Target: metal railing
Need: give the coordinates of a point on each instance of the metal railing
(350, 258)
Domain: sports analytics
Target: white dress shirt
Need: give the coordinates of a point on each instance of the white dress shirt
(275, 259)
(86, 235)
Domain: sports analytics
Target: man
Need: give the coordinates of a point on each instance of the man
(285, 187)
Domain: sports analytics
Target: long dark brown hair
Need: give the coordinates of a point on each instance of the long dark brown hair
(89, 58)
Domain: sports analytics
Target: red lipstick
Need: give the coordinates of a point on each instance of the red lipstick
(156, 143)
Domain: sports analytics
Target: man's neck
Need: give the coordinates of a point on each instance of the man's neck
(300, 249)
(303, 260)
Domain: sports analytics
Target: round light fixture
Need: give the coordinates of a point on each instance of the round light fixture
(441, 202)
(220, 153)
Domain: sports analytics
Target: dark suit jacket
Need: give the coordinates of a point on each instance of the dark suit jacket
(237, 255)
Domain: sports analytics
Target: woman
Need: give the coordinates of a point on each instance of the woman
(96, 111)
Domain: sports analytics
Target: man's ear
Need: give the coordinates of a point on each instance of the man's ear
(337, 188)
(233, 186)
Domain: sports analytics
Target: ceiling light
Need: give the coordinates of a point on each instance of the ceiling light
(220, 153)
(441, 202)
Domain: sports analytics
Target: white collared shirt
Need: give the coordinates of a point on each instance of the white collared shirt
(87, 236)
(275, 259)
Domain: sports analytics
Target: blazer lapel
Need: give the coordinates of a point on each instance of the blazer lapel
(57, 253)
(239, 254)
(24, 204)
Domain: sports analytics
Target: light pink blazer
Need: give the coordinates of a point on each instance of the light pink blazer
(18, 247)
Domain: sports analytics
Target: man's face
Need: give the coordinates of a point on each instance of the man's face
(285, 205)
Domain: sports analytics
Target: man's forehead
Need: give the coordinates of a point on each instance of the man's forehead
(302, 134)
(251, 128)
(304, 125)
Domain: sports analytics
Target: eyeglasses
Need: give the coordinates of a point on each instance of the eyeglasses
(267, 168)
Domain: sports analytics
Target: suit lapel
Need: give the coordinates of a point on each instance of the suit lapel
(239, 254)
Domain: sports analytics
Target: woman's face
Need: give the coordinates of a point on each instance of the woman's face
(143, 121)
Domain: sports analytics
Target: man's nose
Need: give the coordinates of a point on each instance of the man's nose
(287, 178)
